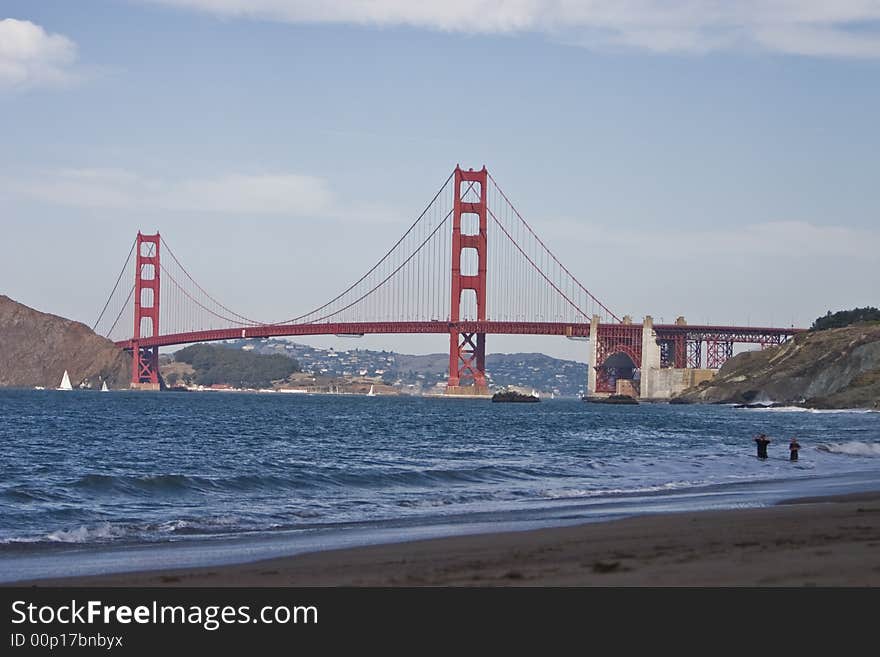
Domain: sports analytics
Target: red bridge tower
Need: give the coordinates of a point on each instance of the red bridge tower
(467, 351)
(145, 360)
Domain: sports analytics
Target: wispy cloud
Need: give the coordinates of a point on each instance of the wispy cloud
(843, 28)
(800, 240)
(281, 194)
(31, 57)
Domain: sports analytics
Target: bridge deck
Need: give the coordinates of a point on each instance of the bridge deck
(750, 334)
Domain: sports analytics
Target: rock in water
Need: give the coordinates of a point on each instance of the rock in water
(613, 399)
(514, 397)
(36, 348)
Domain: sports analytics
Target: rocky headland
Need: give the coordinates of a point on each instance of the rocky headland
(834, 368)
(36, 348)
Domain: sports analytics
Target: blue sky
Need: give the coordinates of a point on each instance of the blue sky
(713, 160)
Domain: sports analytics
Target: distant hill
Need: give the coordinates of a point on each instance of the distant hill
(417, 374)
(36, 348)
(833, 368)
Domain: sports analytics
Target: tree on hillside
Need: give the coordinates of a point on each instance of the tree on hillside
(845, 318)
(214, 364)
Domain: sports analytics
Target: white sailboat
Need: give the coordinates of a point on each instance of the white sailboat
(371, 393)
(104, 387)
(65, 382)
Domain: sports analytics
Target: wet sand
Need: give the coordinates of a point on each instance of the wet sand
(832, 541)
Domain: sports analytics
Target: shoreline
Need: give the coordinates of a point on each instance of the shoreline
(773, 406)
(807, 541)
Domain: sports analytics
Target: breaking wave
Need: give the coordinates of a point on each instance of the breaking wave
(852, 448)
(818, 411)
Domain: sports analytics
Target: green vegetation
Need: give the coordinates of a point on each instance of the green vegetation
(215, 364)
(846, 318)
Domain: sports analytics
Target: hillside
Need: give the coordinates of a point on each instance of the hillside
(421, 374)
(36, 348)
(835, 368)
(215, 364)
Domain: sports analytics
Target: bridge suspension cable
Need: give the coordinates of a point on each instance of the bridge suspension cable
(524, 280)
(244, 320)
(115, 287)
(606, 311)
(378, 264)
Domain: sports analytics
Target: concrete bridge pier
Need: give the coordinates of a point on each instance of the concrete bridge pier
(632, 362)
(650, 359)
(591, 360)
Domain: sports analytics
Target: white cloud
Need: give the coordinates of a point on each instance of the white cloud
(31, 57)
(808, 27)
(291, 194)
(281, 194)
(819, 40)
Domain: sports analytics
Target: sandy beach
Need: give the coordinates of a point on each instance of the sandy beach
(832, 541)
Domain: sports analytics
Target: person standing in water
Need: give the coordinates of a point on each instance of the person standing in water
(762, 440)
(793, 448)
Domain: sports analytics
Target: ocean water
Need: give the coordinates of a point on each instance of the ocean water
(97, 482)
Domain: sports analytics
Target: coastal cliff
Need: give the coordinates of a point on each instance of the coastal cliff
(835, 368)
(36, 348)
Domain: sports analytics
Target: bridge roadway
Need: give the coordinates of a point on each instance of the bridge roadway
(741, 334)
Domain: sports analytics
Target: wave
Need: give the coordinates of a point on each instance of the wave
(176, 484)
(575, 493)
(819, 411)
(99, 534)
(21, 494)
(179, 484)
(102, 533)
(116, 532)
(851, 448)
(432, 477)
(140, 484)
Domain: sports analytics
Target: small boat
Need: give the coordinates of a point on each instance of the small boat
(65, 382)
(104, 387)
(371, 393)
(39, 387)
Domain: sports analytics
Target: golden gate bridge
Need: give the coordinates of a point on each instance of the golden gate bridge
(469, 266)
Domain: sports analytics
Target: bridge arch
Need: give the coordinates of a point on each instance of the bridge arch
(620, 365)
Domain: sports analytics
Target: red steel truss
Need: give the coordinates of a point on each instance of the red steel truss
(717, 353)
(627, 336)
(616, 339)
(719, 341)
(694, 353)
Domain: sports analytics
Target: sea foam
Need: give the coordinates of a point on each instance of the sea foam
(852, 448)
